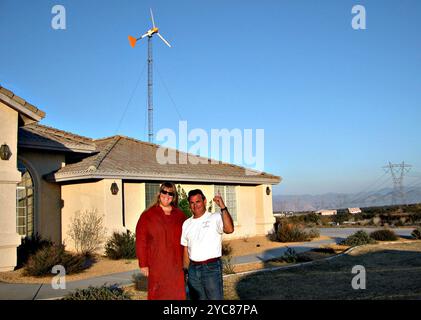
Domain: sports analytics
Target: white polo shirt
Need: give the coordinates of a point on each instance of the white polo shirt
(203, 236)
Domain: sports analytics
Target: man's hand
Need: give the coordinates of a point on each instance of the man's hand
(145, 271)
(218, 200)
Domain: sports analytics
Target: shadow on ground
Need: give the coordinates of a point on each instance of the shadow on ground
(392, 272)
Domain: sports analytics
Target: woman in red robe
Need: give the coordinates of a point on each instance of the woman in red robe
(158, 247)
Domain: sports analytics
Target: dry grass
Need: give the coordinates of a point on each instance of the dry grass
(393, 271)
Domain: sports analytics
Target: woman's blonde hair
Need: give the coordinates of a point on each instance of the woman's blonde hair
(167, 185)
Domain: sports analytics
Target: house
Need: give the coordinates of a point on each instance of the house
(326, 212)
(354, 210)
(51, 175)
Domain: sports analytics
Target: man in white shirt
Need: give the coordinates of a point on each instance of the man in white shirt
(202, 240)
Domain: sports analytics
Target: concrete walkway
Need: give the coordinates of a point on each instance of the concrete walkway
(10, 291)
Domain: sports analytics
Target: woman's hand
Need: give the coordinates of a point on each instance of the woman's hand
(145, 271)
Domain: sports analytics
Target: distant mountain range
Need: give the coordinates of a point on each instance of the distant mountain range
(381, 197)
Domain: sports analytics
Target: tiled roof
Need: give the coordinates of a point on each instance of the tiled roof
(38, 136)
(127, 158)
(9, 97)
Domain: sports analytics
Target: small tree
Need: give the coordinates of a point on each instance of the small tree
(183, 202)
(87, 231)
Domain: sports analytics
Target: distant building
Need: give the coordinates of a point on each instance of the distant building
(354, 210)
(326, 212)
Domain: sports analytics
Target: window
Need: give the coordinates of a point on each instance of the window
(25, 203)
(230, 199)
(151, 189)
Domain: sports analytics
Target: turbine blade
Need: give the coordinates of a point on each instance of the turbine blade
(153, 21)
(165, 41)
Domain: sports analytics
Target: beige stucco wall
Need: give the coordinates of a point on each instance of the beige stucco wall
(90, 196)
(134, 203)
(47, 205)
(9, 177)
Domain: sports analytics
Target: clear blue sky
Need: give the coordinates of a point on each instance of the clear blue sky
(336, 104)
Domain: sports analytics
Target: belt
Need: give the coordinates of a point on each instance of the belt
(205, 261)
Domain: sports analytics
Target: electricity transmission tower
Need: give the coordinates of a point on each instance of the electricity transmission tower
(398, 170)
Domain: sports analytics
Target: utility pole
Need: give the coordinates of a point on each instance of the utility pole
(398, 171)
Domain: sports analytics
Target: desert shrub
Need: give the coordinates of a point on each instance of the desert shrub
(313, 233)
(341, 217)
(416, 233)
(312, 218)
(384, 235)
(227, 266)
(359, 238)
(87, 231)
(42, 262)
(288, 232)
(226, 249)
(121, 246)
(29, 246)
(290, 256)
(98, 293)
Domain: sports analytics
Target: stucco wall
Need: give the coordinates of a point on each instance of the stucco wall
(134, 203)
(9, 177)
(92, 196)
(47, 205)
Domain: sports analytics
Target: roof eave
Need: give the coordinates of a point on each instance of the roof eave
(29, 115)
(72, 176)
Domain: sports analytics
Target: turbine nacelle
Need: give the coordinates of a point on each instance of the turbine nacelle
(149, 33)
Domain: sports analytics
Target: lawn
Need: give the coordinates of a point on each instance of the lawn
(393, 271)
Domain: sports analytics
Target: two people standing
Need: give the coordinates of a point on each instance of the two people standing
(167, 243)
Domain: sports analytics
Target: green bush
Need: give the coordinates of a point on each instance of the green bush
(359, 238)
(288, 232)
(416, 233)
(183, 203)
(121, 246)
(42, 262)
(384, 235)
(29, 246)
(98, 293)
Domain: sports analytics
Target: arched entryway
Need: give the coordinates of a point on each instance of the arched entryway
(25, 202)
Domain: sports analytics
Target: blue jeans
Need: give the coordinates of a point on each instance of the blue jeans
(205, 281)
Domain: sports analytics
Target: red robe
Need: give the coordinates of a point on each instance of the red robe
(158, 247)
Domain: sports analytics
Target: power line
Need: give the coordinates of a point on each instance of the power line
(131, 97)
(169, 94)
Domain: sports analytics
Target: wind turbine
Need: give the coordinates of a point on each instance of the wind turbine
(132, 40)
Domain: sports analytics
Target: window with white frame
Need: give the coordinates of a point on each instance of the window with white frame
(151, 190)
(229, 196)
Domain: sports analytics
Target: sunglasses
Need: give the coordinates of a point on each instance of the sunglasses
(171, 194)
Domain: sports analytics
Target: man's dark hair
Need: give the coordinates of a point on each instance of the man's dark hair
(196, 192)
